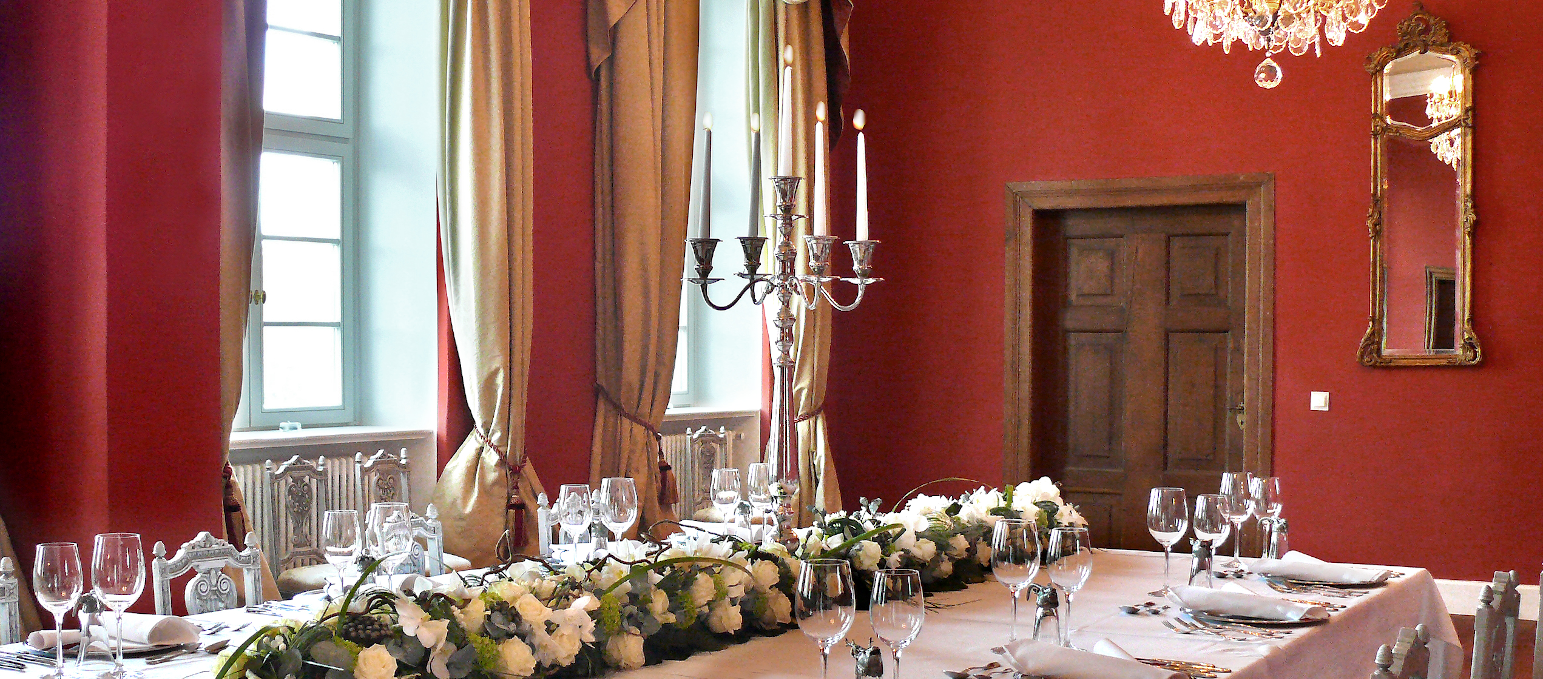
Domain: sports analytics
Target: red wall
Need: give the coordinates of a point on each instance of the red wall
(1433, 467)
(109, 269)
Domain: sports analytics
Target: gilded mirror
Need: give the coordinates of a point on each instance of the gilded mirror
(1421, 217)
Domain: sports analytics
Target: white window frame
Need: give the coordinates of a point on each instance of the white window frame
(328, 138)
(687, 336)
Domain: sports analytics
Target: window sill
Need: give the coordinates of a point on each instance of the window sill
(269, 438)
(707, 413)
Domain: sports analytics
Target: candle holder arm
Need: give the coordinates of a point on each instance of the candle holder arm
(702, 250)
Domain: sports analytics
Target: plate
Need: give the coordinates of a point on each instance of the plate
(130, 650)
(1246, 620)
(1340, 585)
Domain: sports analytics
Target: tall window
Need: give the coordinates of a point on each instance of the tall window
(301, 361)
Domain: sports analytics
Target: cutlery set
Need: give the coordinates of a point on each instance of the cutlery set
(1316, 590)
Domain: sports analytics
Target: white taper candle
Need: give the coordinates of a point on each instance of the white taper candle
(821, 202)
(785, 116)
(859, 119)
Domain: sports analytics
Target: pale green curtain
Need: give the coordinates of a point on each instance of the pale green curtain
(773, 25)
(643, 55)
(485, 228)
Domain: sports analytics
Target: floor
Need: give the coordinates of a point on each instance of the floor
(1526, 637)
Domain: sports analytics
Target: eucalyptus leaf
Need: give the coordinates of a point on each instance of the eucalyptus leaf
(330, 654)
(407, 650)
(462, 662)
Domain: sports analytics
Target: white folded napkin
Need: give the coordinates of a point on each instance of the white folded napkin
(1299, 566)
(1108, 661)
(139, 630)
(1249, 605)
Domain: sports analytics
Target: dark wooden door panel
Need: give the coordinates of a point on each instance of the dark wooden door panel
(1094, 371)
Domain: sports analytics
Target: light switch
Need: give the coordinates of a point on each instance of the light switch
(1319, 401)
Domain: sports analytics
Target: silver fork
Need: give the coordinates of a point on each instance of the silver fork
(1182, 628)
(1235, 627)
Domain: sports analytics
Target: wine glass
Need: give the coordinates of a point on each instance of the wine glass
(1167, 519)
(1238, 492)
(758, 487)
(726, 492)
(1210, 522)
(618, 504)
(1071, 562)
(57, 581)
(1015, 559)
(573, 510)
(118, 578)
(392, 535)
(1267, 501)
(826, 605)
(340, 538)
(896, 609)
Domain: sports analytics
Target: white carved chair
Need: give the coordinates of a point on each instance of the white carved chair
(709, 451)
(10, 603)
(1407, 658)
(293, 492)
(383, 477)
(1494, 628)
(210, 589)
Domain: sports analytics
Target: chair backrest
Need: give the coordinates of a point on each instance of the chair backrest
(293, 492)
(10, 603)
(1494, 628)
(1407, 658)
(381, 478)
(709, 451)
(428, 551)
(210, 589)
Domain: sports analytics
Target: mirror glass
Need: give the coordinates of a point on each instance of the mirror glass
(1422, 90)
(1420, 248)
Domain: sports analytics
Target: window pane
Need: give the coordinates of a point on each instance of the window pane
(314, 16)
(304, 282)
(303, 75)
(300, 195)
(682, 366)
(302, 367)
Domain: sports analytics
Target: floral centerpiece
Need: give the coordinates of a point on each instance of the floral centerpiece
(636, 604)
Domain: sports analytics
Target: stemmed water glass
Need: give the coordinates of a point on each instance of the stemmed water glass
(1015, 559)
(758, 482)
(1210, 522)
(1071, 562)
(1167, 520)
(897, 609)
(340, 539)
(118, 578)
(618, 504)
(1238, 492)
(58, 582)
(826, 604)
(1267, 499)
(392, 533)
(726, 492)
(573, 510)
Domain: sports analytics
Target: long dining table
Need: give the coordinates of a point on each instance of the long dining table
(963, 627)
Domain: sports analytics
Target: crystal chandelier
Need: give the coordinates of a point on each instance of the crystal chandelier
(1443, 104)
(1274, 26)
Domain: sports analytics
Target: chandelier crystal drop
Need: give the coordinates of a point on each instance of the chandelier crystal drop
(1273, 26)
(1442, 104)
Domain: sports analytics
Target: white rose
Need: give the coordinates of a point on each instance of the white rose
(779, 609)
(472, 614)
(912, 521)
(944, 569)
(867, 555)
(1068, 516)
(766, 574)
(515, 658)
(983, 552)
(532, 610)
(625, 651)
(734, 581)
(833, 542)
(724, 618)
(507, 590)
(703, 589)
(659, 606)
(928, 504)
(958, 546)
(924, 549)
(1029, 492)
(375, 662)
(907, 540)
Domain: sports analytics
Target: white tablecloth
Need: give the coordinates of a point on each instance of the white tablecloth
(974, 621)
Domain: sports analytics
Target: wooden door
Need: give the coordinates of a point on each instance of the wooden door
(1143, 356)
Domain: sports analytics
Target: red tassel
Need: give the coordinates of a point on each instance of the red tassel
(518, 507)
(669, 487)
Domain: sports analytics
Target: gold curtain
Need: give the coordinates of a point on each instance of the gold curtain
(485, 229)
(241, 144)
(643, 56)
(774, 25)
(30, 622)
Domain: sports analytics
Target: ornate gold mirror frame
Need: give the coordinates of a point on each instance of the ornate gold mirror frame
(1422, 33)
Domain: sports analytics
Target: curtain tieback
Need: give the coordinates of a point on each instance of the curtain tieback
(669, 488)
(804, 417)
(514, 501)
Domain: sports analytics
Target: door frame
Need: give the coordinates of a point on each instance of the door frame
(1255, 192)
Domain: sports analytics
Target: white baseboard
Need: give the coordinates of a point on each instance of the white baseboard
(1462, 597)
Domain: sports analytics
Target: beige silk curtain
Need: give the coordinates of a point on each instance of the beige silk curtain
(241, 144)
(773, 25)
(485, 227)
(643, 56)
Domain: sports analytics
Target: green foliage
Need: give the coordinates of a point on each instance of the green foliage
(609, 618)
(487, 651)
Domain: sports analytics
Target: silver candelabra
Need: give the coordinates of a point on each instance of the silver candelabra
(786, 283)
